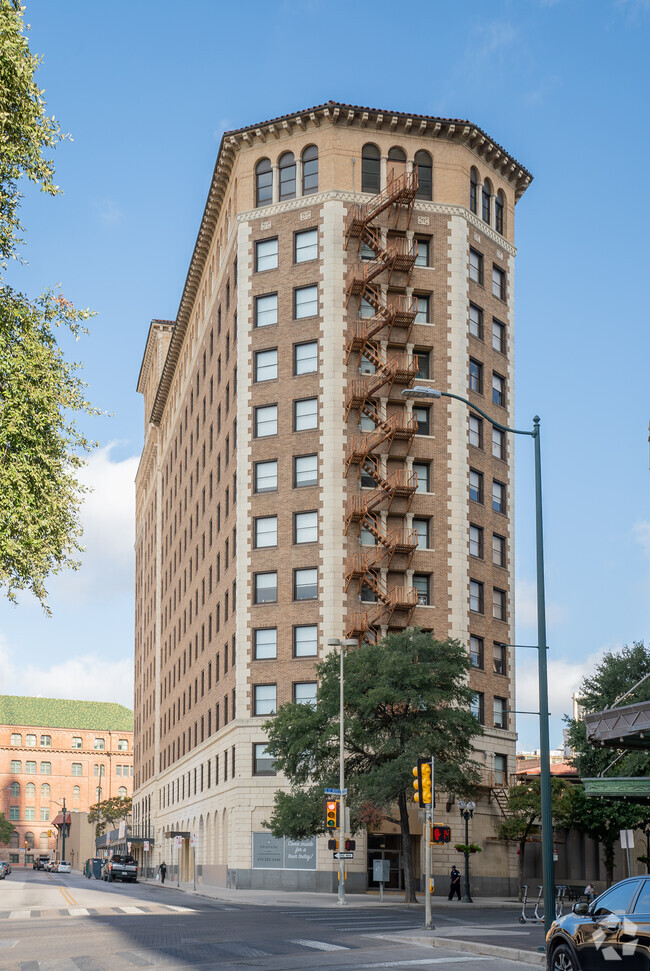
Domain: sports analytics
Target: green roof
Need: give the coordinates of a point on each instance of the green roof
(103, 716)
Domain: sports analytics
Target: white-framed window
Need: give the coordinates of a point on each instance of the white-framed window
(266, 365)
(266, 310)
(29, 813)
(305, 640)
(266, 421)
(305, 584)
(305, 471)
(265, 587)
(266, 476)
(99, 744)
(306, 245)
(30, 768)
(305, 358)
(30, 740)
(265, 643)
(46, 741)
(77, 742)
(264, 699)
(305, 301)
(30, 791)
(76, 769)
(304, 693)
(76, 793)
(266, 254)
(305, 527)
(14, 812)
(16, 739)
(45, 813)
(265, 531)
(123, 745)
(45, 792)
(14, 790)
(305, 414)
(263, 763)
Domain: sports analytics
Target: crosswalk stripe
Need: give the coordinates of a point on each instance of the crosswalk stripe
(78, 912)
(180, 910)
(19, 914)
(319, 945)
(131, 910)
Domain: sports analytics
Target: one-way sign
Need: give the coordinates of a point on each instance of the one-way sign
(343, 856)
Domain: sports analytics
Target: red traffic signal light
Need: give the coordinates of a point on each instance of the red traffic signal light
(350, 844)
(440, 834)
(26, 845)
(331, 814)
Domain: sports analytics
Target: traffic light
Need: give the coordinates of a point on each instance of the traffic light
(331, 814)
(423, 783)
(26, 845)
(350, 844)
(440, 834)
(49, 832)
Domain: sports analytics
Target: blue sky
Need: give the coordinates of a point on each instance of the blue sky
(146, 91)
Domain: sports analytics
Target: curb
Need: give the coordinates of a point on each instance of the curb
(493, 950)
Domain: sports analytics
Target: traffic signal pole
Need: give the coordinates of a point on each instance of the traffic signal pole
(428, 823)
(341, 896)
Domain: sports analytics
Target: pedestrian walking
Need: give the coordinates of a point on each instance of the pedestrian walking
(590, 892)
(454, 886)
(163, 871)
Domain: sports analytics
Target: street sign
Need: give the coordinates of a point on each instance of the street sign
(178, 840)
(343, 856)
(335, 792)
(193, 840)
(146, 846)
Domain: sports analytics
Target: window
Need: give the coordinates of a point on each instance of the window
(99, 744)
(500, 713)
(45, 813)
(46, 768)
(476, 596)
(617, 901)
(310, 170)
(266, 421)
(77, 742)
(263, 183)
(498, 389)
(14, 812)
(265, 642)
(76, 792)
(265, 588)
(306, 246)
(498, 496)
(476, 266)
(266, 365)
(263, 763)
(498, 550)
(122, 792)
(422, 416)
(305, 641)
(266, 476)
(266, 255)
(424, 166)
(366, 538)
(424, 364)
(305, 470)
(287, 166)
(499, 206)
(486, 202)
(498, 283)
(29, 839)
(30, 740)
(30, 791)
(305, 302)
(14, 789)
(45, 792)
(305, 584)
(305, 527)
(500, 659)
(265, 532)
(498, 336)
(421, 527)
(14, 840)
(305, 358)
(99, 770)
(476, 651)
(266, 310)
(370, 169)
(422, 248)
(475, 376)
(76, 768)
(305, 414)
(366, 309)
(304, 693)
(475, 485)
(30, 768)
(477, 707)
(264, 699)
(498, 443)
(16, 739)
(475, 431)
(476, 541)
(422, 315)
(123, 745)
(421, 582)
(421, 470)
(473, 190)
(498, 604)
(476, 321)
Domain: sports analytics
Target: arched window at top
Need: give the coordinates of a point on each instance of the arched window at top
(14, 789)
(14, 841)
(473, 190)
(424, 166)
(122, 792)
(370, 169)
(30, 791)
(29, 839)
(396, 161)
(486, 197)
(263, 184)
(45, 792)
(310, 170)
(499, 207)
(287, 176)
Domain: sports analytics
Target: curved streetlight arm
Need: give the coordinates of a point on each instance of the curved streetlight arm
(423, 392)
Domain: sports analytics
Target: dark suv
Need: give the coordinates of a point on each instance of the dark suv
(613, 930)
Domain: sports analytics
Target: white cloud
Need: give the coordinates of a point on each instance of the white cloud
(108, 212)
(526, 606)
(223, 125)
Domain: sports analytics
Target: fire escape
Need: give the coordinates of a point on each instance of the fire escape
(370, 397)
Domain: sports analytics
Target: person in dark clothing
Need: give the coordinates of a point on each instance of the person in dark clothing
(163, 872)
(454, 886)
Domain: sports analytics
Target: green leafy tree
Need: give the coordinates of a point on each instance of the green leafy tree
(108, 812)
(6, 829)
(524, 810)
(406, 697)
(602, 819)
(41, 393)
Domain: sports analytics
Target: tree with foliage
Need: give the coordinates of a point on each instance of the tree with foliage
(109, 811)
(602, 819)
(40, 392)
(6, 829)
(405, 698)
(524, 810)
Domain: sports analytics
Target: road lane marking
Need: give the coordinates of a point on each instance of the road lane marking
(319, 945)
(424, 962)
(67, 896)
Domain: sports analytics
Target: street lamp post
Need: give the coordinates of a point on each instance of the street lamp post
(466, 812)
(542, 674)
(336, 642)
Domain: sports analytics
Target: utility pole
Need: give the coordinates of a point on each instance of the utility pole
(63, 830)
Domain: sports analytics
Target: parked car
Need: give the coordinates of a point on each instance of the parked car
(63, 867)
(40, 863)
(2, 873)
(51, 865)
(120, 867)
(615, 927)
(5, 869)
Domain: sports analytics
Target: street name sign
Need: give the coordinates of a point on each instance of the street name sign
(335, 792)
(343, 856)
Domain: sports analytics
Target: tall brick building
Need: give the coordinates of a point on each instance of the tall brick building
(288, 493)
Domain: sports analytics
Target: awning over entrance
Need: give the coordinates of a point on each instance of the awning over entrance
(58, 821)
(619, 787)
(627, 727)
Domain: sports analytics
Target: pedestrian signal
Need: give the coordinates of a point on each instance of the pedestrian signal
(332, 844)
(350, 844)
(331, 814)
(440, 834)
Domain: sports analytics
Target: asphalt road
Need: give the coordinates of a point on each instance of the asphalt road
(52, 922)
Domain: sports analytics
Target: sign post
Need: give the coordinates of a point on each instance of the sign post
(627, 844)
(193, 845)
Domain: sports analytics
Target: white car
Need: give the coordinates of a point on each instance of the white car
(63, 867)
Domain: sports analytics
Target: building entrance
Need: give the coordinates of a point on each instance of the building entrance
(386, 846)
